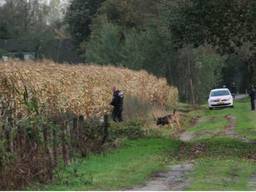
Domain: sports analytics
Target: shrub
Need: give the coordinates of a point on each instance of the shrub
(131, 130)
(136, 109)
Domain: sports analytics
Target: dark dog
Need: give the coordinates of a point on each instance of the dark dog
(169, 120)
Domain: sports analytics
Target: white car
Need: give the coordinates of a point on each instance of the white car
(220, 98)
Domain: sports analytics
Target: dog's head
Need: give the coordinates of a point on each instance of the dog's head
(163, 120)
(159, 121)
(166, 119)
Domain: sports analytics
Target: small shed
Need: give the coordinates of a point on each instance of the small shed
(18, 49)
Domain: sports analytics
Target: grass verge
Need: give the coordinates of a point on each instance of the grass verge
(125, 167)
(221, 174)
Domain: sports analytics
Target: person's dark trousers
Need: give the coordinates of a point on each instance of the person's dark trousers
(117, 114)
(253, 104)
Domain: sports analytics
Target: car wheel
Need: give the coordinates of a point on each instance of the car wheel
(210, 108)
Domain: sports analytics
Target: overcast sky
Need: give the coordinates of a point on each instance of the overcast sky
(46, 1)
(1, 2)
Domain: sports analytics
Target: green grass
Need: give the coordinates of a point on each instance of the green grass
(225, 163)
(216, 123)
(213, 121)
(135, 161)
(222, 164)
(221, 174)
(246, 120)
(220, 147)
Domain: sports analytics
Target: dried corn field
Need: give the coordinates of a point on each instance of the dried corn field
(42, 110)
(80, 89)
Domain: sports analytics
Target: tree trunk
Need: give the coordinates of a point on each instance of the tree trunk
(192, 96)
(192, 92)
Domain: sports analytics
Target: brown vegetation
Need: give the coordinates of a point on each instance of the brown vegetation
(50, 112)
(80, 89)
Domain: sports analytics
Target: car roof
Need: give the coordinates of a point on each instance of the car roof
(220, 89)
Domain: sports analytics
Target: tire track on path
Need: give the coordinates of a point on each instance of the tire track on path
(175, 179)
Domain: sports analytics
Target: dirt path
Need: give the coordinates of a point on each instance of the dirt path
(186, 136)
(252, 182)
(175, 178)
(230, 129)
(240, 96)
(172, 180)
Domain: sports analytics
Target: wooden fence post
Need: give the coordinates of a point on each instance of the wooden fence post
(8, 134)
(75, 133)
(80, 129)
(70, 140)
(20, 140)
(65, 151)
(81, 136)
(7, 137)
(48, 154)
(54, 141)
(105, 129)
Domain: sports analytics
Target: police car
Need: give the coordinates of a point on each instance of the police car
(220, 98)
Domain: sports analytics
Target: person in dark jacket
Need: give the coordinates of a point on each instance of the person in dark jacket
(252, 94)
(117, 103)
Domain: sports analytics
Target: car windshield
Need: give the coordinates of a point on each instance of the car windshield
(220, 93)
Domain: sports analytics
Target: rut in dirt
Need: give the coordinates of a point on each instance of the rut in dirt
(230, 129)
(175, 179)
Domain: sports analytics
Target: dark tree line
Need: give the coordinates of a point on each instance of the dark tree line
(31, 22)
(197, 45)
(21, 19)
(175, 39)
